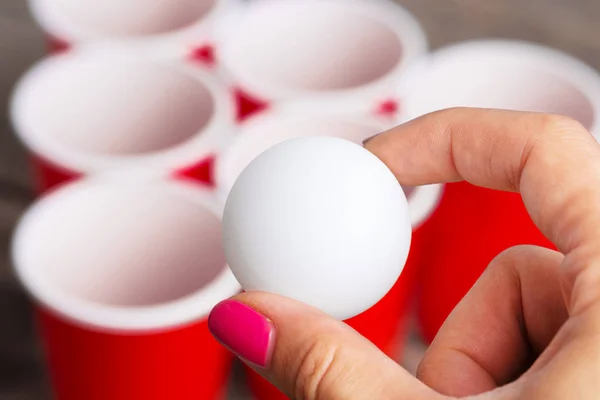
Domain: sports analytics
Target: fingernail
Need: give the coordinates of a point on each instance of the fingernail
(244, 331)
(369, 139)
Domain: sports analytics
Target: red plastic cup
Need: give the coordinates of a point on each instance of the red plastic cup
(124, 276)
(473, 225)
(183, 23)
(325, 50)
(384, 323)
(105, 107)
(56, 45)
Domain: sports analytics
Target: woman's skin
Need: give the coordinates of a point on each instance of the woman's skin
(529, 328)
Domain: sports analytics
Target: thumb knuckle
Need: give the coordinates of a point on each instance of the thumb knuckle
(319, 366)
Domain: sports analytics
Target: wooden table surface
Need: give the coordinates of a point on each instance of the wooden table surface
(569, 25)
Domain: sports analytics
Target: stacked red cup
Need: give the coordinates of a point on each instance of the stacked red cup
(157, 93)
(472, 225)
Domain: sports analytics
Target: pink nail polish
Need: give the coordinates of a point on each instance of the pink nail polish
(244, 331)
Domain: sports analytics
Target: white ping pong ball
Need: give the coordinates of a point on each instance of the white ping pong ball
(320, 220)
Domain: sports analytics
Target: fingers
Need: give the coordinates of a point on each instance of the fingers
(504, 322)
(550, 159)
(307, 354)
(570, 366)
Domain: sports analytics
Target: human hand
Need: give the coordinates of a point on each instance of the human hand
(529, 328)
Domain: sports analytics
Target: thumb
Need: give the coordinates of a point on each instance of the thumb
(307, 354)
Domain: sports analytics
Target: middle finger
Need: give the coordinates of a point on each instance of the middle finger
(502, 324)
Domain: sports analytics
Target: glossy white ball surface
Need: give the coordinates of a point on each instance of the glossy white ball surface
(320, 220)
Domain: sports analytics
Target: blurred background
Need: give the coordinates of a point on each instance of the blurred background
(569, 25)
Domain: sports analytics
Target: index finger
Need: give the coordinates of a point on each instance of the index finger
(551, 160)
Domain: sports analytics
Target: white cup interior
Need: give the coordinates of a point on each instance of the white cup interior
(115, 106)
(312, 45)
(266, 131)
(423, 202)
(506, 77)
(120, 248)
(106, 107)
(261, 137)
(110, 18)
